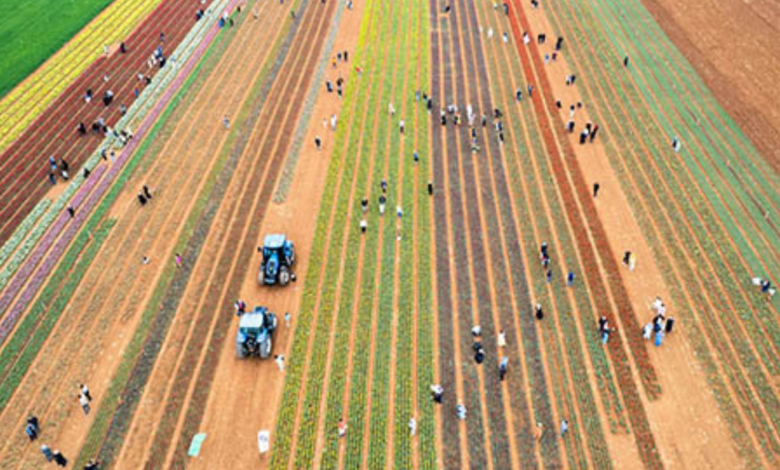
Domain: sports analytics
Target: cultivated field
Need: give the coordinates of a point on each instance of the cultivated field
(419, 155)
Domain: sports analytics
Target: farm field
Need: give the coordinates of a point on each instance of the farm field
(34, 30)
(489, 199)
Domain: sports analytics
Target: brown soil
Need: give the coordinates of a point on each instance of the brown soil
(731, 46)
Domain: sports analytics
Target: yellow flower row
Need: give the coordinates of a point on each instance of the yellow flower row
(29, 99)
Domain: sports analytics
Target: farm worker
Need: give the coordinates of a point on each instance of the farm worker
(539, 312)
(625, 61)
(84, 390)
(479, 356)
(240, 307)
(596, 188)
(416, 156)
(81, 128)
(546, 59)
(287, 319)
(530, 91)
(501, 339)
(526, 38)
(71, 211)
(559, 43)
(564, 427)
(476, 331)
(505, 38)
(543, 250)
(142, 199)
(145, 260)
(363, 225)
(31, 431)
(438, 393)
(412, 427)
(460, 411)
(541, 38)
(401, 126)
(430, 188)
(279, 359)
(60, 459)
(382, 201)
(593, 132)
(570, 279)
(346, 57)
(570, 126)
(659, 338)
(333, 121)
(484, 120)
(329, 86)
(443, 118)
(84, 402)
(549, 275)
(399, 211)
(342, 428)
(583, 136)
(178, 260)
(391, 109)
(519, 94)
(226, 122)
(676, 144)
(146, 191)
(626, 257)
(47, 453)
(364, 205)
(93, 464)
(506, 9)
(490, 33)
(383, 185)
(647, 331)
(631, 262)
(538, 432)
(669, 325)
(503, 367)
(658, 304)
(318, 142)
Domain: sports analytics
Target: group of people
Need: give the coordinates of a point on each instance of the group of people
(661, 325)
(62, 168)
(32, 429)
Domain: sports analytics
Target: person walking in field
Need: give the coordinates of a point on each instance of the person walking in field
(539, 312)
(226, 121)
(437, 393)
(363, 226)
(287, 319)
(382, 202)
(460, 412)
(178, 260)
(31, 428)
(240, 307)
(625, 61)
(84, 390)
(596, 187)
(93, 464)
(564, 428)
(279, 359)
(318, 142)
(593, 133)
(47, 453)
(391, 109)
(84, 402)
(412, 426)
(401, 126)
(342, 428)
(676, 144)
(501, 339)
(570, 279)
(503, 367)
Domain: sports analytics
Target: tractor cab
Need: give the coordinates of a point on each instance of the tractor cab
(255, 331)
(278, 258)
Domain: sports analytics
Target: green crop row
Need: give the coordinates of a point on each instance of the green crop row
(338, 183)
(630, 163)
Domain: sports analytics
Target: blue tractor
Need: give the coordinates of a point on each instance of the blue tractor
(255, 333)
(278, 259)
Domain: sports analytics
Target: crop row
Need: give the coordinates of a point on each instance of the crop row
(638, 167)
(285, 180)
(716, 220)
(303, 68)
(644, 437)
(136, 112)
(28, 100)
(570, 336)
(48, 135)
(146, 152)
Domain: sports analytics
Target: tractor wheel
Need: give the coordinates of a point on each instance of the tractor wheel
(284, 276)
